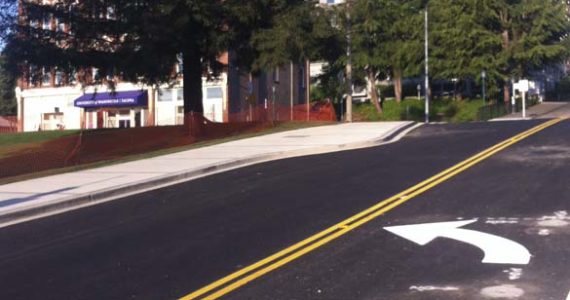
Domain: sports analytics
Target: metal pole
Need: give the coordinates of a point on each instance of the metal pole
(348, 64)
(426, 66)
(308, 89)
(524, 104)
(273, 104)
(341, 108)
(513, 101)
(291, 91)
(484, 94)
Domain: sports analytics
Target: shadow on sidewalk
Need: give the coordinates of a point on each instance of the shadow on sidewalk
(13, 201)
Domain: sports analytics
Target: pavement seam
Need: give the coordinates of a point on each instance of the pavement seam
(20, 215)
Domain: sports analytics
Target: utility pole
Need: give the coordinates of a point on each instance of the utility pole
(348, 64)
(426, 65)
(483, 77)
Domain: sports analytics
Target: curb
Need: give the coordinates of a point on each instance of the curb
(78, 201)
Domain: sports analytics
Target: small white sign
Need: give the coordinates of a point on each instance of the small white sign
(522, 86)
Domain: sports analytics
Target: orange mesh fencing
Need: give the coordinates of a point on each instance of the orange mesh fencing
(92, 146)
(34, 157)
(8, 124)
(317, 111)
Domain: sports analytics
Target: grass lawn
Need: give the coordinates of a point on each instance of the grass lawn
(12, 139)
(43, 137)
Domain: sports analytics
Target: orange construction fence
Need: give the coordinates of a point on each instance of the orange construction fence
(8, 124)
(91, 146)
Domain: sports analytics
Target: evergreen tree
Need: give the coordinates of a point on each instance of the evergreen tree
(7, 86)
(506, 38)
(371, 20)
(405, 43)
(300, 32)
(533, 35)
(141, 40)
(462, 46)
(387, 41)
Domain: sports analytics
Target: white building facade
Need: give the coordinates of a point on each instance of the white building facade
(128, 105)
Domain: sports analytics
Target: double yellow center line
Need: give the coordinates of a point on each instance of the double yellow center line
(235, 280)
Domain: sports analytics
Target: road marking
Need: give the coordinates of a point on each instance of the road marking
(514, 273)
(498, 250)
(568, 297)
(237, 279)
(429, 288)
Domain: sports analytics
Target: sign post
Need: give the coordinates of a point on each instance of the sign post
(523, 87)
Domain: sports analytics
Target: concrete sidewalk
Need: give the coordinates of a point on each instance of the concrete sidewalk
(541, 110)
(49, 195)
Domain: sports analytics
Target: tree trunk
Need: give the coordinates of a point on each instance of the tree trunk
(460, 90)
(373, 91)
(506, 88)
(398, 85)
(506, 92)
(192, 71)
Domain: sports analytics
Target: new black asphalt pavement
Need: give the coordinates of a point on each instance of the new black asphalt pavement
(167, 243)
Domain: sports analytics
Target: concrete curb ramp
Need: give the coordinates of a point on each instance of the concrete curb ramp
(46, 208)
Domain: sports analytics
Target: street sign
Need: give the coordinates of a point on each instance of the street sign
(522, 86)
(498, 250)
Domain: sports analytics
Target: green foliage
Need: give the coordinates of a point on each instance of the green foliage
(7, 86)
(11, 139)
(461, 43)
(300, 32)
(506, 38)
(561, 92)
(464, 111)
(139, 41)
(537, 33)
(409, 89)
(387, 36)
(412, 109)
(391, 111)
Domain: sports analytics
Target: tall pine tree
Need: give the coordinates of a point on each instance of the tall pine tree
(141, 40)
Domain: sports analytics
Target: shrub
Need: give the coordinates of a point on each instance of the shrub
(413, 110)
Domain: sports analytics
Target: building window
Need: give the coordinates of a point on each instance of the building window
(46, 25)
(276, 74)
(46, 76)
(58, 77)
(214, 93)
(110, 74)
(53, 121)
(179, 115)
(165, 95)
(33, 75)
(72, 78)
(111, 15)
(59, 26)
(302, 76)
(179, 64)
(179, 95)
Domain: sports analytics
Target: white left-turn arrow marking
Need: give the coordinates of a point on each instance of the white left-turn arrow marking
(497, 250)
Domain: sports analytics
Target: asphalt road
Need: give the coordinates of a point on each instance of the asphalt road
(167, 243)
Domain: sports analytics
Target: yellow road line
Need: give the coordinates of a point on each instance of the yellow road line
(301, 248)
